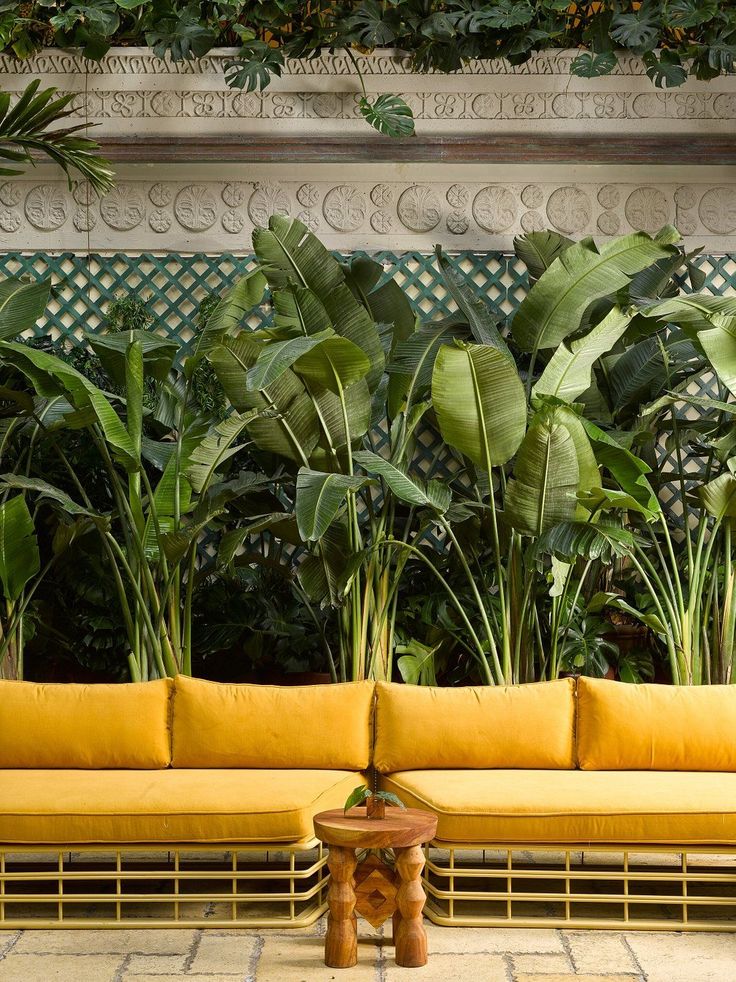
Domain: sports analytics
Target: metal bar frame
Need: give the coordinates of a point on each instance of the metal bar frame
(163, 885)
(607, 886)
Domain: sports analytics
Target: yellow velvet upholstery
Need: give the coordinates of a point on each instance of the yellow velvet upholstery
(85, 726)
(656, 727)
(59, 806)
(486, 726)
(313, 726)
(574, 807)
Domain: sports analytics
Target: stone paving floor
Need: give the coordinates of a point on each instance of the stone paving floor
(456, 955)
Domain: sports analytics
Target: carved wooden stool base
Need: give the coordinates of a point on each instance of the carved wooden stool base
(404, 831)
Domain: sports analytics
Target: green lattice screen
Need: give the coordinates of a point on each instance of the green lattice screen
(173, 286)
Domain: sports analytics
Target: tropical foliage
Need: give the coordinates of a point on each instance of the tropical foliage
(261, 491)
(674, 37)
(28, 126)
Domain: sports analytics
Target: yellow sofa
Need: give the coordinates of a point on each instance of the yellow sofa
(585, 795)
(588, 803)
(108, 771)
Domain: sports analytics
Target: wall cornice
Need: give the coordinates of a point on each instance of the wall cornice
(500, 150)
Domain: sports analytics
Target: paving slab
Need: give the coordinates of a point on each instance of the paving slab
(125, 941)
(685, 957)
(156, 965)
(598, 951)
(505, 940)
(450, 968)
(224, 955)
(59, 968)
(301, 959)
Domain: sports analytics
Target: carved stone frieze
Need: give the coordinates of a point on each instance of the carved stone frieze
(130, 91)
(381, 62)
(207, 213)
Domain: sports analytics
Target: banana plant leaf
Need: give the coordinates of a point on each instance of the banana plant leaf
(480, 403)
(292, 429)
(692, 311)
(276, 357)
(298, 311)
(432, 494)
(412, 362)
(538, 250)
(719, 344)
(320, 575)
(335, 363)
(49, 492)
(628, 470)
(282, 525)
(387, 302)
(111, 349)
(719, 496)
(589, 478)
(569, 541)
(543, 491)
(319, 497)
(21, 305)
(229, 313)
(19, 556)
(333, 435)
(481, 319)
(555, 306)
(292, 255)
(568, 373)
(643, 364)
(216, 448)
(51, 377)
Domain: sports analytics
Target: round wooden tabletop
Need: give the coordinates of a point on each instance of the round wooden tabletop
(401, 828)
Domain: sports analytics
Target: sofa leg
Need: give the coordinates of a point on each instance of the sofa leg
(341, 943)
(410, 937)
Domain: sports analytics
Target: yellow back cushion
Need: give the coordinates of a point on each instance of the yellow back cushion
(656, 727)
(312, 726)
(421, 728)
(85, 726)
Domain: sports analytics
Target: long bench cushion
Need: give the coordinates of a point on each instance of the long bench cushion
(85, 726)
(167, 806)
(420, 727)
(318, 726)
(574, 807)
(656, 727)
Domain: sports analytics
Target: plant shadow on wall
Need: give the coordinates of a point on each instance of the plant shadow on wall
(261, 493)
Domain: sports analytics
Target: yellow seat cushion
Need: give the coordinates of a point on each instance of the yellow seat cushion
(574, 807)
(86, 726)
(314, 726)
(485, 726)
(656, 727)
(167, 806)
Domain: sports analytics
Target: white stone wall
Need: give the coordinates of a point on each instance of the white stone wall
(213, 207)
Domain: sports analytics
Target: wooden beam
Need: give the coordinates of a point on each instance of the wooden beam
(504, 148)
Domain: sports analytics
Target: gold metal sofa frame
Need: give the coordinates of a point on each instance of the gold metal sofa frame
(147, 885)
(647, 888)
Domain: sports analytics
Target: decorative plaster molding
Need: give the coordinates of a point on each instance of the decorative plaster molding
(386, 61)
(208, 212)
(130, 91)
(177, 104)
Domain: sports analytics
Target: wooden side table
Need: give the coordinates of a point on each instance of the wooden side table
(404, 830)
